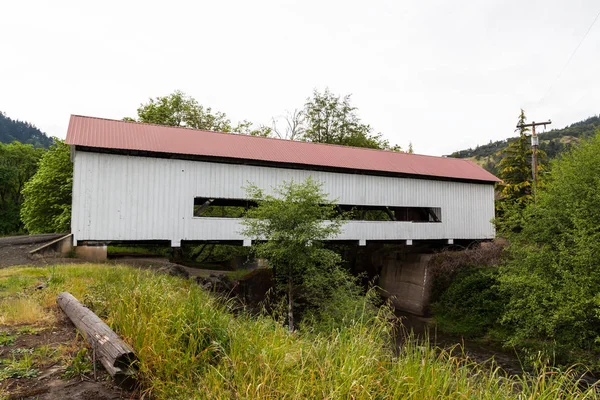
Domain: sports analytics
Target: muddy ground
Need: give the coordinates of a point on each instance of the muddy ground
(47, 381)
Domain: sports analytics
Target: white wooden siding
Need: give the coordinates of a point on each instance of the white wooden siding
(119, 197)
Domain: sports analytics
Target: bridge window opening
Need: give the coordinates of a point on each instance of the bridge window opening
(206, 207)
(383, 213)
(221, 208)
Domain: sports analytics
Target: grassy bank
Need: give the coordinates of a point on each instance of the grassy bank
(192, 346)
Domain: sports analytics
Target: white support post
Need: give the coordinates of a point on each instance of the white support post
(362, 242)
(409, 242)
(176, 243)
(247, 242)
(450, 241)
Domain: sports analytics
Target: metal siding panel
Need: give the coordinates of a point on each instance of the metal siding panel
(133, 198)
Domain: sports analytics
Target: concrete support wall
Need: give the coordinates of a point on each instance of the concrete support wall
(404, 279)
(92, 253)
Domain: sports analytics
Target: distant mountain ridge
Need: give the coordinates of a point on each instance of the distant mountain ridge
(552, 142)
(24, 132)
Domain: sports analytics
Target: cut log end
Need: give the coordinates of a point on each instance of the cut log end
(126, 361)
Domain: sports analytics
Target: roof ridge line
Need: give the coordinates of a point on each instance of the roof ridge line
(258, 137)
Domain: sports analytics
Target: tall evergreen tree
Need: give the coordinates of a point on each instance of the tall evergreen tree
(14, 130)
(515, 167)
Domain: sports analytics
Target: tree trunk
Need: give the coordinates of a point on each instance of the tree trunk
(290, 304)
(116, 356)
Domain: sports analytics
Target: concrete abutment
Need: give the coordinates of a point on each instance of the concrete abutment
(404, 279)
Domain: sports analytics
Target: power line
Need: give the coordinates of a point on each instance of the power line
(570, 57)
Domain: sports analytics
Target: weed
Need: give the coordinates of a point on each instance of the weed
(79, 366)
(7, 339)
(22, 310)
(20, 350)
(18, 368)
(29, 330)
(46, 353)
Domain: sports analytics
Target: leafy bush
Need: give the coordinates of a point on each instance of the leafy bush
(472, 304)
(446, 265)
(553, 274)
(18, 163)
(47, 204)
(335, 300)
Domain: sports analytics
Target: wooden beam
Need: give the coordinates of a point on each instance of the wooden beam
(390, 213)
(203, 207)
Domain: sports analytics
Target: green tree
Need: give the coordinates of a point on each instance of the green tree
(14, 130)
(47, 195)
(553, 273)
(515, 167)
(18, 163)
(179, 109)
(332, 119)
(289, 228)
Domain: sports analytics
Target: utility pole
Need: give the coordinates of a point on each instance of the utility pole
(534, 146)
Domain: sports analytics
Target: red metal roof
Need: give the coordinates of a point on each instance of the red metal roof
(112, 134)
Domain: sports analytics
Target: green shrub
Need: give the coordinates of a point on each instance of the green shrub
(472, 304)
(553, 273)
(47, 195)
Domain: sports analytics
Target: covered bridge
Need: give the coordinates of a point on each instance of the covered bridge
(142, 182)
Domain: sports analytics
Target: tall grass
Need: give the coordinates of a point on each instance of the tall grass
(192, 346)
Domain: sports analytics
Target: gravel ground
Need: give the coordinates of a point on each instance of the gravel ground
(14, 250)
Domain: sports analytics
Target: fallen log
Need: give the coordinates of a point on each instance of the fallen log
(116, 356)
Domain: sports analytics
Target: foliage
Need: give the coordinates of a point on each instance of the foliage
(14, 130)
(22, 367)
(472, 304)
(553, 275)
(18, 163)
(191, 345)
(332, 119)
(152, 250)
(79, 365)
(289, 229)
(47, 195)
(515, 167)
(444, 267)
(214, 253)
(6, 339)
(179, 109)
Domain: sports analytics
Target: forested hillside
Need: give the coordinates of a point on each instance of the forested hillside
(552, 142)
(24, 132)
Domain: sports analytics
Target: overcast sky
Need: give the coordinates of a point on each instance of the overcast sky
(444, 75)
